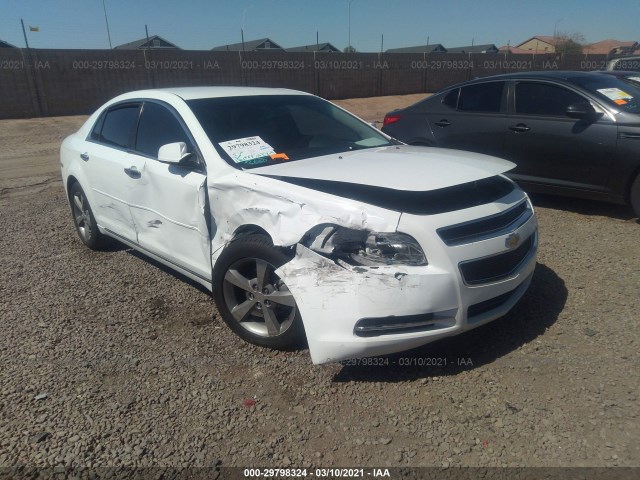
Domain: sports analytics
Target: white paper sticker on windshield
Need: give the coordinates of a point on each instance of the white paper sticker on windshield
(246, 149)
(635, 79)
(615, 94)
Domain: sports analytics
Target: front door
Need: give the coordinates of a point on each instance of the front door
(551, 148)
(168, 203)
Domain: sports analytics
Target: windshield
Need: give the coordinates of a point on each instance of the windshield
(254, 131)
(613, 91)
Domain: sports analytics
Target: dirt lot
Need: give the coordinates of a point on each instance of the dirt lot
(108, 359)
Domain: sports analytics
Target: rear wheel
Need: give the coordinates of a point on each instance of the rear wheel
(634, 196)
(83, 219)
(252, 299)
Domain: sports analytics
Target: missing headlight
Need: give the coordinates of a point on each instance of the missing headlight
(359, 247)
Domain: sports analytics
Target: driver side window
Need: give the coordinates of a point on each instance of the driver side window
(157, 127)
(544, 99)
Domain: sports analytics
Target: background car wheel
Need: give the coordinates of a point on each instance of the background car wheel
(83, 219)
(634, 196)
(252, 299)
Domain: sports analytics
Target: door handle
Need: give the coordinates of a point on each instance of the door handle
(443, 123)
(132, 171)
(519, 128)
(84, 156)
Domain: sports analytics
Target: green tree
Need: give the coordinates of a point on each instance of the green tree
(569, 42)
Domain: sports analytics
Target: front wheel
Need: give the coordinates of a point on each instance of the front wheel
(252, 299)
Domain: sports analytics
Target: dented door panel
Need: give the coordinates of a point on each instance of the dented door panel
(111, 187)
(168, 210)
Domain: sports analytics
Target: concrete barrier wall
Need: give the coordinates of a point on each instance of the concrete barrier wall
(37, 83)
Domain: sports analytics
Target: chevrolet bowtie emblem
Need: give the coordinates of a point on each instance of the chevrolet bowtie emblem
(512, 241)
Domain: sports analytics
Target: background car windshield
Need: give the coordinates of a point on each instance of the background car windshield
(612, 91)
(289, 127)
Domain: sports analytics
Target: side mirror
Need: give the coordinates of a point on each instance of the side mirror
(580, 110)
(173, 152)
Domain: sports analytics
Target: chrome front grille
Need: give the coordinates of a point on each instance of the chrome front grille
(486, 227)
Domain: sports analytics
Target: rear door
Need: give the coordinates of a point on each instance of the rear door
(551, 148)
(111, 169)
(168, 201)
(471, 118)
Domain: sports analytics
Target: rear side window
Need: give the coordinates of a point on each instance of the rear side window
(544, 99)
(118, 126)
(451, 98)
(158, 126)
(483, 97)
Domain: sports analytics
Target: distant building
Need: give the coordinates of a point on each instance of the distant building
(515, 50)
(489, 48)
(435, 48)
(4, 44)
(316, 47)
(260, 45)
(539, 44)
(154, 42)
(611, 47)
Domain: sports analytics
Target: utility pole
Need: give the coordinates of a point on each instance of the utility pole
(244, 14)
(349, 48)
(24, 32)
(382, 43)
(146, 31)
(107, 22)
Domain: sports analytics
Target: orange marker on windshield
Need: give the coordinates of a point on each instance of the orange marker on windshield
(275, 156)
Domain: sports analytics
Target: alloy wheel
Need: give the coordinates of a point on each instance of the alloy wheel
(257, 298)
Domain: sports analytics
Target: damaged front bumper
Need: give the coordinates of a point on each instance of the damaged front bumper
(353, 311)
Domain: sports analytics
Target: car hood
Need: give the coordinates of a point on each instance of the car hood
(403, 167)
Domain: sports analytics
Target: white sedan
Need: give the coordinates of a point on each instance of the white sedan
(305, 222)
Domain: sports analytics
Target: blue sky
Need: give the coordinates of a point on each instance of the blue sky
(203, 24)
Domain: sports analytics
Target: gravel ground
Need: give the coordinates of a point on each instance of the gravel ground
(109, 359)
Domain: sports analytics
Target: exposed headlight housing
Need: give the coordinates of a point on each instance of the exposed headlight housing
(360, 247)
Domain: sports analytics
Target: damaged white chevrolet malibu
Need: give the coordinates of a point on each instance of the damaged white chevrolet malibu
(305, 222)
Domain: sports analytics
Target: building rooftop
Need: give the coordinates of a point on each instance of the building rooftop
(153, 42)
(250, 46)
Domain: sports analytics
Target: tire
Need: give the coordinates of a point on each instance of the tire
(83, 219)
(251, 298)
(634, 196)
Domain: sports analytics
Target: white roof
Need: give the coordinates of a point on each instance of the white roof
(190, 93)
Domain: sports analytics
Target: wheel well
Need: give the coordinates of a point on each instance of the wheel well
(632, 178)
(71, 181)
(248, 230)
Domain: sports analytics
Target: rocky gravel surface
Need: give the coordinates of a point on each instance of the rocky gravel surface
(109, 359)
